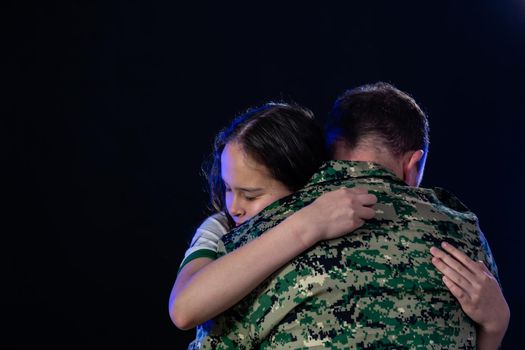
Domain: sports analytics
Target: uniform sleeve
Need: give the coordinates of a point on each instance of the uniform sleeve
(206, 238)
(488, 258)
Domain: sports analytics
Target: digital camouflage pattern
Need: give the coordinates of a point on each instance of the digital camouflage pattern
(375, 288)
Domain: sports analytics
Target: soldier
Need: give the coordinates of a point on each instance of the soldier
(376, 288)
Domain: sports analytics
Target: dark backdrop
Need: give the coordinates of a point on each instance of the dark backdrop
(111, 107)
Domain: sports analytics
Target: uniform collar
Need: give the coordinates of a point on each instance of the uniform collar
(345, 169)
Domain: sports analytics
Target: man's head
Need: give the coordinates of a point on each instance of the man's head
(380, 123)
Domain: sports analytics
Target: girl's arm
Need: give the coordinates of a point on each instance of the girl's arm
(205, 288)
(478, 293)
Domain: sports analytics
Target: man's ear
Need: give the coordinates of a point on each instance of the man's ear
(412, 169)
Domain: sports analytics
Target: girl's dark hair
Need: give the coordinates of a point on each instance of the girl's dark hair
(283, 137)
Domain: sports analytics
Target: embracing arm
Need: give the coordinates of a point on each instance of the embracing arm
(478, 293)
(205, 288)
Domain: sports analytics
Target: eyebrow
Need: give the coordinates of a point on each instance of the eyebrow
(251, 190)
(245, 189)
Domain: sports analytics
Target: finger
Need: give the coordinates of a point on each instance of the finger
(367, 199)
(358, 190)
(485, 272)
(359, 223)
(365, 213)
(460, 256)
(484, 267)
(451, 273)
(438, 253)
(456, 291)
(454, 264)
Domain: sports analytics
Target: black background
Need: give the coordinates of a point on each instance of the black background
(111, 107)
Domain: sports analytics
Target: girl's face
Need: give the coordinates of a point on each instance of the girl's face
(248, 185)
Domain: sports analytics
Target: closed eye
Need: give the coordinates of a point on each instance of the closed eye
(252, 195)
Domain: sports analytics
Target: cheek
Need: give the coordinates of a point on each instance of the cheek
(228, 198)
(258, 206)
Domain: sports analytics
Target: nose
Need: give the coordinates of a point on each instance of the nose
(236, 210)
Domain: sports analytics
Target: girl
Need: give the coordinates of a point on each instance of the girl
(264, 155)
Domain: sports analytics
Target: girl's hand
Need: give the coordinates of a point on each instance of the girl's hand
(476, 289)
(337, 213)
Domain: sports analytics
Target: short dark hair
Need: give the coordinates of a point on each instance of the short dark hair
(283, 137)
(379, 111)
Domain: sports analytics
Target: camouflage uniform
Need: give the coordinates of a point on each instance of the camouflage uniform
(375, 288)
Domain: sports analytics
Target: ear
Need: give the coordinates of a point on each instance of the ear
(412, 169)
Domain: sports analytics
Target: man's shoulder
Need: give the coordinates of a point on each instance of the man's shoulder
(438, 198)
(450, 200)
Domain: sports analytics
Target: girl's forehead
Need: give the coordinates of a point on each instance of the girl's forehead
(238, 166)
